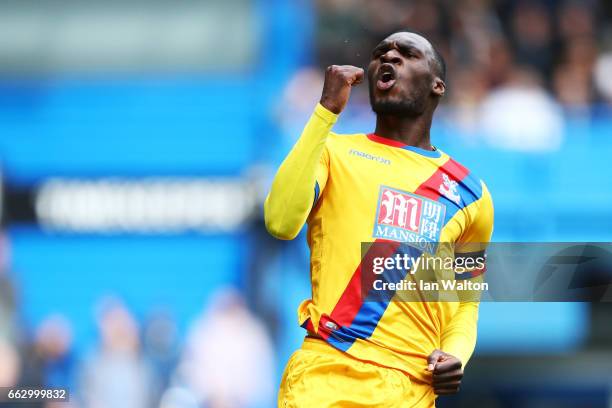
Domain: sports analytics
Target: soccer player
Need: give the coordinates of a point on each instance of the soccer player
(389, 186)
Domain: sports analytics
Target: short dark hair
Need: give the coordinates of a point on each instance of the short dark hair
(439, 62)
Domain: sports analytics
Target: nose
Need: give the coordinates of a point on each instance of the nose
(391, 56)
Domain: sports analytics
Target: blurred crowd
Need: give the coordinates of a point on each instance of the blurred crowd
(561, 45)
(516, 69)
(226, 359)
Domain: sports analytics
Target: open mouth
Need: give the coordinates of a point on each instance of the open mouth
(386, 77)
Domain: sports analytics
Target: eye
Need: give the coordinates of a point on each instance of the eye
(408, 52)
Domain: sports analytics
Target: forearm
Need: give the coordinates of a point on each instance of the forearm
(292, 193)
(459, 339)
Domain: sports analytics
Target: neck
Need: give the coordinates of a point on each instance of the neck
(412, 131)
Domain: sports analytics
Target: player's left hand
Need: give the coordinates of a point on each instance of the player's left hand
(447, 372)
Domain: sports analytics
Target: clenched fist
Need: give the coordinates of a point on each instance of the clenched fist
(447, 372)
(337, 87)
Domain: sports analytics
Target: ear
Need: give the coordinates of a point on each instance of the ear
(439, 87)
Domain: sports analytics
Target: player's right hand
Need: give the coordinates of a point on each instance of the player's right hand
(337, 87)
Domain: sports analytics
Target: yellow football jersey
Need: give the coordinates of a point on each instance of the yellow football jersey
(366, 188)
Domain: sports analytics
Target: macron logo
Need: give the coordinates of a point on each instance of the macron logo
(369, 156)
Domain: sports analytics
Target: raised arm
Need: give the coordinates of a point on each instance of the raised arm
(296, 183)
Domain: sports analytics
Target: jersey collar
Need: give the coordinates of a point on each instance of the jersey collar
(389, 142)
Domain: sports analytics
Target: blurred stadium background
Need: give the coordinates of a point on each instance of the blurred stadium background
(137, 141)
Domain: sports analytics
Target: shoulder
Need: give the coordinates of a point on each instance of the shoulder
(474, 200)
(344, 140)
(471, 187)
(347, 137)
